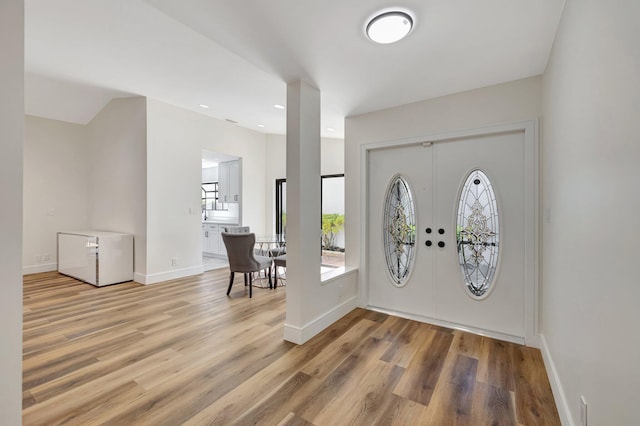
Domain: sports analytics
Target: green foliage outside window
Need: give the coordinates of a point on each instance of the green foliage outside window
(332, 224)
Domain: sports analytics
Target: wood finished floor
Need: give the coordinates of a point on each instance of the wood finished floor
(182, 352)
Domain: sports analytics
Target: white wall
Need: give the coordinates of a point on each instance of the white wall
(331, 162)
(11, 146)
(513, 101)
(117, 172)
(210, 174)
(591, 158)
(176, 138)
(137, 168)
(56, 188)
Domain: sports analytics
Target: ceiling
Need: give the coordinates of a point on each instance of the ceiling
(237, 56)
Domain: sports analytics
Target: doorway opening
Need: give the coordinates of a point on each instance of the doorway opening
(221, 189)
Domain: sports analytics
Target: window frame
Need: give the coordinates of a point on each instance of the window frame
(279, 201)
(215, 198)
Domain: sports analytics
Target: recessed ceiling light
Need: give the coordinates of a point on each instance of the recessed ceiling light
(260, 125)
(277, 106)
(389, 27)
(204, 106)
(331, 129)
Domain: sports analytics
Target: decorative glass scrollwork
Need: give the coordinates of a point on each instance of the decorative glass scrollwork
(477, 233)
(399, 230)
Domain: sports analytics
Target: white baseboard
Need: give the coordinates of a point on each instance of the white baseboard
(168, 275)
(300, 335)
(556, 385)
(36, 269)
(429, 320)
(533, 341)
(139, 278)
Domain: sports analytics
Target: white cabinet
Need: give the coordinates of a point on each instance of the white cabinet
(222, 249)
(229, 182)
(97, 257)
(223, 182)
(235, 188)
(212, 239)
(205, 239)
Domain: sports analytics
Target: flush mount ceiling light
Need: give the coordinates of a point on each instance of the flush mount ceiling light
(389, 26)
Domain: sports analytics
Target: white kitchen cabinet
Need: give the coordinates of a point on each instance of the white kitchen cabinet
(229, 182)
(222, 249)
(223, 182)
(205, 239)
(235, 188)
(212, 239)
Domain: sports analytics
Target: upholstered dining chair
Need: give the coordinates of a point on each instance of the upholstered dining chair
(239, 230)
(236, 229)
(279, 262)
(242, 259)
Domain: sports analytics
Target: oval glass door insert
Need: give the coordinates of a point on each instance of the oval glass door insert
(477, 233)
(399, 222)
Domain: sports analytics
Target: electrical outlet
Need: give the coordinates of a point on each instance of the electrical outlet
(583, 411)
(45, 257)
(38, 258)
(174, 261)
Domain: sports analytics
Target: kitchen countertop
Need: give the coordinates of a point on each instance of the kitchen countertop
(221, 221)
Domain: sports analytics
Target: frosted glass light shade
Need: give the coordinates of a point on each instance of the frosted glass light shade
(389, 27)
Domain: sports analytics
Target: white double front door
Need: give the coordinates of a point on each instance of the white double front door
(436, 289)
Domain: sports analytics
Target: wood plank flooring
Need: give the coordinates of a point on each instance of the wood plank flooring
(182, 352)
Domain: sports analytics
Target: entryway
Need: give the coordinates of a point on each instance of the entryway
(467, 264)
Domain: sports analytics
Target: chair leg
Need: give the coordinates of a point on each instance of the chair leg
(230, 283)
(275, 274)
(270, 282)
(250, 286)
(245, 279)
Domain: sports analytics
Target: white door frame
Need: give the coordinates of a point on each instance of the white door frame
(532, 217)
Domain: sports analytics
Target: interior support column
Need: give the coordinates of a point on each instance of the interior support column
(11, 148)
(303, 206)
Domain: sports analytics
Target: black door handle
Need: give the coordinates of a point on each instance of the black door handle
(428, 230)
(440, 231)
(428, 243)
(440, 243)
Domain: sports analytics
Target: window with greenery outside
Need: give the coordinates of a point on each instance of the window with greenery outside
(332, 224)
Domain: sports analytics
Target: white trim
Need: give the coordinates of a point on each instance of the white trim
(556, 385)
(532, 215)
(168, 275)
(447, 324)
(363, 279)
(300, 335)
(139, 278)
(36, 269)
(337, 273)
(532, 240)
